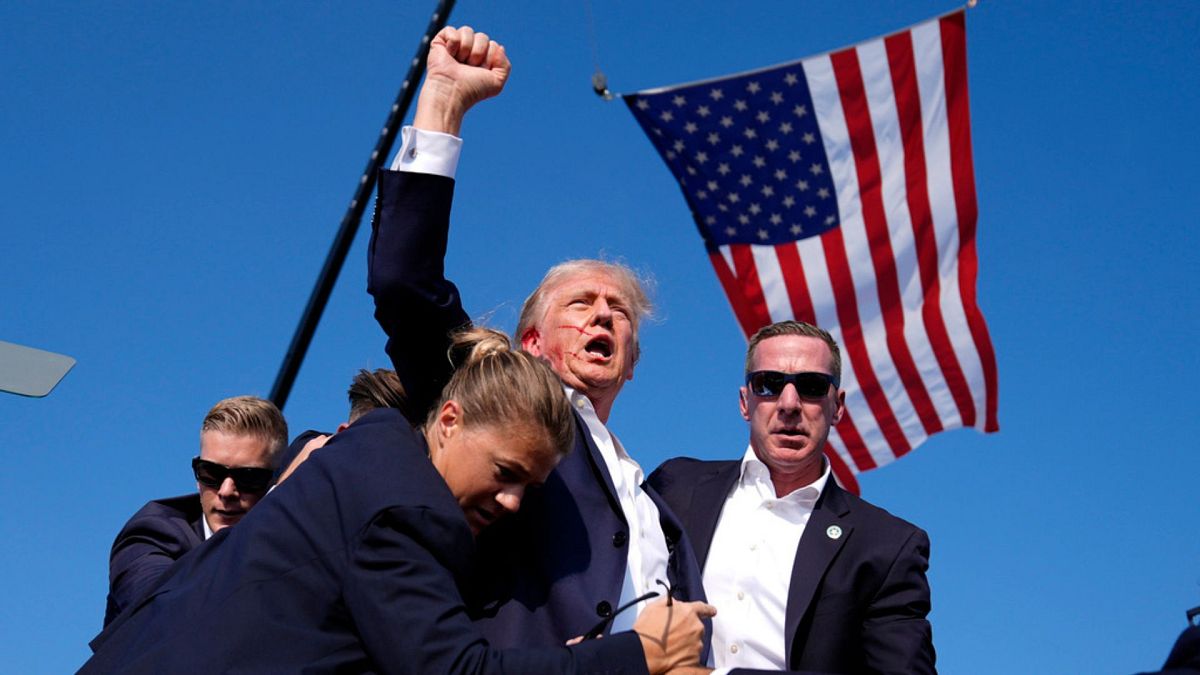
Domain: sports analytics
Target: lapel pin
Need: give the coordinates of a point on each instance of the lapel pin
(833, 532)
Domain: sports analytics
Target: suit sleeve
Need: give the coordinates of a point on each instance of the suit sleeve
(897, 636)
(143, 551)
(405, 604)
(415, 304)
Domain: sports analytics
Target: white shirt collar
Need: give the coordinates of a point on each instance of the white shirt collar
(757, 476)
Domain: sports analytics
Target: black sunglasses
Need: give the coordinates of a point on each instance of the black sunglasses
(246, 478)
(599, 628)
(772, 382)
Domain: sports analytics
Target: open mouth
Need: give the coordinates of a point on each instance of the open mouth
(600, 346)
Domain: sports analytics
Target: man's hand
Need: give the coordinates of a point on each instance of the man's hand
(315, 443)
(463, 68)
(672, 635)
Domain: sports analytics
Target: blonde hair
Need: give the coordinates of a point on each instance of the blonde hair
(632, 285)
(249, 416)
(496, 384)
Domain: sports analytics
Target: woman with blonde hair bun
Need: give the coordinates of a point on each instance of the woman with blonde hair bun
(359, 562)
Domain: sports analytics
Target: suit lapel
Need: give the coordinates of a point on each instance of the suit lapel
(816, 550)
(598, 465)
(707, 499)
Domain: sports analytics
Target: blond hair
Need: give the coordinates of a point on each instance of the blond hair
(249, 416)
(496, 384)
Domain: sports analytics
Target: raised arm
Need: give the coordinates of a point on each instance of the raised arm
(415, 304)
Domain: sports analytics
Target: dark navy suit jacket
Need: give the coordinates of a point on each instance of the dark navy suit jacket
(153, 539)
(857, 603)
(353, 565)
(554, 569)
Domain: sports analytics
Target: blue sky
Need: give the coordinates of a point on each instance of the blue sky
(174, 174)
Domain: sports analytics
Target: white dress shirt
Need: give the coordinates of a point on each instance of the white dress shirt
(646, 561)
(749, 567)
(427, 152)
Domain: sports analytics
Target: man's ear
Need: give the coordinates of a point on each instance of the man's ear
(841, 406)
(531, 341)
(743, 405)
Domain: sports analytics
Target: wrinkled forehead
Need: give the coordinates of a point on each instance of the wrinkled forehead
(613, 286)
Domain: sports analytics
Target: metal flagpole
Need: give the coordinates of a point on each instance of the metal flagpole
(350, 222)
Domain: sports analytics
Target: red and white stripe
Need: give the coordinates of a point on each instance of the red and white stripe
(895, 282)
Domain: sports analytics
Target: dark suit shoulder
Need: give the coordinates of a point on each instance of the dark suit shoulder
(680, 470)
(184, 507)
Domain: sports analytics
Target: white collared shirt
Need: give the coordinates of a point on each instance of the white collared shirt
(424, 151)
(646, 560)
(749, 566)
(208, 533)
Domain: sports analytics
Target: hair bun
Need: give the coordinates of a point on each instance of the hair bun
(472, 345)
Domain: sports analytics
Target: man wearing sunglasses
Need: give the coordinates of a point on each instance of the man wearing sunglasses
(806, 576)
(240, 440)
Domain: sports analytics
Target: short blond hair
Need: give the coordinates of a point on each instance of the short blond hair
(249, 416)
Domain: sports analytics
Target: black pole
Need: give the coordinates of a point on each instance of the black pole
(350, 222)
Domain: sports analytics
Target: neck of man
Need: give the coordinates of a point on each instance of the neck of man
(602, 404)
(788, 482)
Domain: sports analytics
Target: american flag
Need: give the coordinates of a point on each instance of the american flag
(839, 190)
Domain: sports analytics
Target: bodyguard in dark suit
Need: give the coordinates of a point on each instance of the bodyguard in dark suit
(153, 539)
(240, 440)
(592, 537)
(807, 577)
(356, 563)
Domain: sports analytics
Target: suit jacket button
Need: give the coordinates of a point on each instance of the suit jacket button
(620, 538)
(604, 609)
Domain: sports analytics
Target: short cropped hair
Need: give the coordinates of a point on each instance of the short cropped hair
(370, 390)
(249, 416)
(499, 385)
(633, 290)
(795, 328)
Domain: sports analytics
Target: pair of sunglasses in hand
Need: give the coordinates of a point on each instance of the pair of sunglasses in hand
(599, 628)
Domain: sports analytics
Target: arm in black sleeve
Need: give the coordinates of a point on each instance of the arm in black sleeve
(411, 618)
(415, 304)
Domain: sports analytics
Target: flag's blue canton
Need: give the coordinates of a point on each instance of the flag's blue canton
(748, 155)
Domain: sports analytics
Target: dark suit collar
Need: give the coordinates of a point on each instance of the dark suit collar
(598, 465)
(827, 531)
(707, 499)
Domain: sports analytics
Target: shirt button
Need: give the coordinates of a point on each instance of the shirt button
(604, 609)
(620, 539)
(412, 153)
(579, 403)
(770, 506)
(741, 595)
(733, 649)
(753, 547)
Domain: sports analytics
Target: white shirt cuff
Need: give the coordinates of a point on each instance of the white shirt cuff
(722, 671)
(427, 152)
